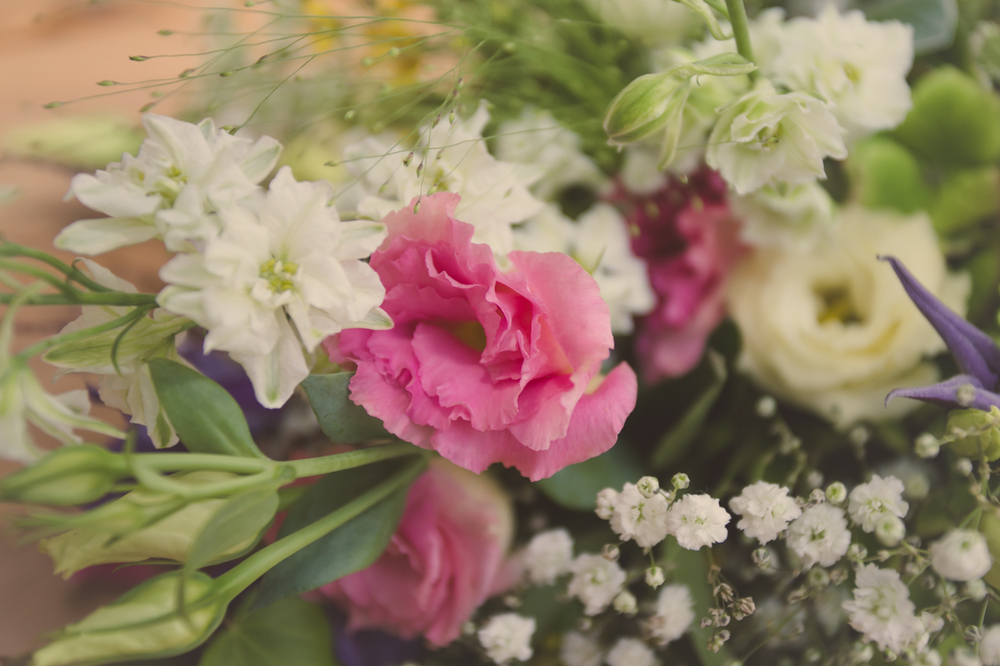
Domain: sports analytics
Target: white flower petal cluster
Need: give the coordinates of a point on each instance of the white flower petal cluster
(596, 582)
(881, 609)
(599, 242)
(549, 555)
(507, 637)
(630, 652)
(766, 510)
(674, 614)
(871, 502)
(797, 217)
(639, 517)
(449, 157)
(770, 138)
(580, 650)
(697, 520)
(172, 189)
(989, 647)
(283, 274)
(961, 555)
(819, 535)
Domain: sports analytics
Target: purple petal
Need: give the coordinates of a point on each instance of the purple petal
(946, 394)
(975, 352)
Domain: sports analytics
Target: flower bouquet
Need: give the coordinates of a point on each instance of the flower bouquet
(568, 332)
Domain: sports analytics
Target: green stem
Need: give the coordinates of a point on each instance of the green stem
(741, 28)
(84, 298)
(177, 462)
(718, 6)
(249, 570)
(351, 459)
(40, 274)
(72, 336)
(71, 272)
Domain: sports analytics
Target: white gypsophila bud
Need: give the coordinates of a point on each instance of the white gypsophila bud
(814, 478)
(655, 577)
(963, 466)
(762, 558)
(680, 481)
(625, 603)
(989, 647)
(976, 589)
(965, 394)
(630, 652)
(596, 582)
(870, 501)
(548, 556)
(610, 552)
(818, 578)
(836, 493)
(961, 555)
(856, 552)
(507, 637)
(639, 517)
(766, 407)
(890, 530)
(817, 496)
(697, 520)
(606, 500)
(765, 510)
(580, 650)
(927, 446)
(648, 486)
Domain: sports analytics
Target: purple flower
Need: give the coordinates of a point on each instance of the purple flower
(976, 353)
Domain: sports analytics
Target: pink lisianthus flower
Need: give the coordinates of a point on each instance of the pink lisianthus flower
(447, 556)
(688, 237)
(484, 365)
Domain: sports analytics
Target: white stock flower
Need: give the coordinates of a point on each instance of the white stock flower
(639, 517)
(580, 650)
(287, 262)
(819, 535)
(859, 66)
(507, 637)
(538, 140)
(548, 556)
(832, 330)
(599, 242)
(795, 217)
(881, 609)
(197, 166)
(872, 501)
(451, 157)
(596, 581)
(630, 652)
(674, 614)
(767, 138)
(766, 510)
(697, 520)
(989, 647)
(961, 555)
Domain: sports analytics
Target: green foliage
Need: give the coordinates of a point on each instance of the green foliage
(673, 444)
(690, 567)
(342, 421)
(576, 486)
(207, 419)
(287, 633)
(234, 528)
(966, 197)
(351, 547)
(934, 21)
(884, 174)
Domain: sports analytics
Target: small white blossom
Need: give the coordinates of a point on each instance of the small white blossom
(674, 614)
(596, 582)
(766, 510)
(548, 556)
(625, 603)
(630, 652)
(881, 609)
(836, 493)
(507, 637)
(819, 535)
(767, 138)
(961, 555)
(641, 518)
(871, 501)
(794, 217)
(890, 530)
(927, 445)
(680, 481)
(697, 520)
(580, 650)
(989, 647)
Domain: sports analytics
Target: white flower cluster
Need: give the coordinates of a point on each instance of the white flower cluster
(507, 637)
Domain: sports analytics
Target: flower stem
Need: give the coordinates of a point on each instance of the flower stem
(71, 272)
(102, 298)
(351, 459)
(741, 28)
(56, 340)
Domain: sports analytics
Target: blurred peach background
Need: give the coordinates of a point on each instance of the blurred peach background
(57, 50)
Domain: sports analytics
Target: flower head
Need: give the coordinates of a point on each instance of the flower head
(507, 637)
(630, 652)
(674, 613)
(639, 517)
(548, 556)
(819, 535)
(596, 582)
(697, 520)
(870, 502)
(766, 510)
(961, 555)
(881, 609)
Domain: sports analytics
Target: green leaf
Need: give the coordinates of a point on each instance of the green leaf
(576, 487)
(352, 547)
(690, 568)
(884, 174)
(675, 442)
(205, 416)
(965, 198)
(705, 11)
(934, 21)
(342, 421)
(291, 631)
(234, 529)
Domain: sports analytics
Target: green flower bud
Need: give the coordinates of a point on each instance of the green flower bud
(66, 477)
(973, 431)
(645, 107)
(145, 623)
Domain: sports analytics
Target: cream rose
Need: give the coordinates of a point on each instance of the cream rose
(832, 330)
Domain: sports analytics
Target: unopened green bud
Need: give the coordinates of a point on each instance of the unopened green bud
(974, 432)
(145, 623)
(645, 107)
(66, 477)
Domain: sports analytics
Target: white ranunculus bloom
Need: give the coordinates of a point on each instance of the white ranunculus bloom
(961, 555)
(793, 217)
(859, 66)
(450, 157)
(195, 167)
(881, 609)
(767, 138)
(600, 243)
(832, 330)
(283, 274)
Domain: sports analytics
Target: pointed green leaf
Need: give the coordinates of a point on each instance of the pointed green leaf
(205, 416)
(721, 64)
(703, 9)
(342, 421)
(576, 486)
(234, 529)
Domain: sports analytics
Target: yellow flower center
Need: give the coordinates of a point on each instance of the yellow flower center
(278, 274)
